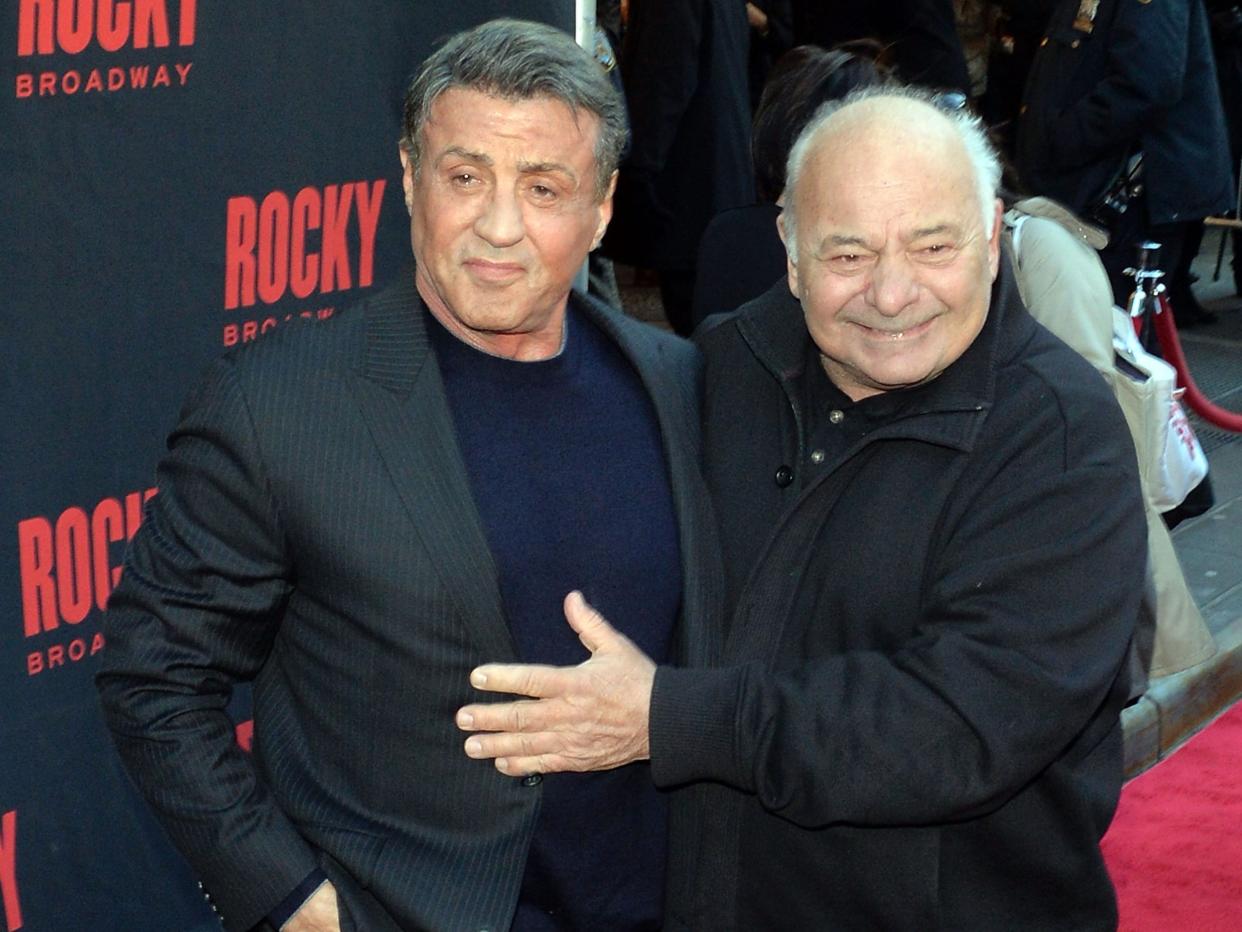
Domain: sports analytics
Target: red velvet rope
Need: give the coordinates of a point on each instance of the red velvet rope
(1171, 348)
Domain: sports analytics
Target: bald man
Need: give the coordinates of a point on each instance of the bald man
(935, 546)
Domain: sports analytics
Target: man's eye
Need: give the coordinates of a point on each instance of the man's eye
(464, 179)
(542, 192)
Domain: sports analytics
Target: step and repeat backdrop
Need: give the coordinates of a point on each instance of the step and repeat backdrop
(177, 177)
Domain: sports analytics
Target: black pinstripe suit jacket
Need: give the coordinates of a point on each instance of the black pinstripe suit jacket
(315, 531)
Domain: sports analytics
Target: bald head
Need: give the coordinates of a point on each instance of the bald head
(882, 125)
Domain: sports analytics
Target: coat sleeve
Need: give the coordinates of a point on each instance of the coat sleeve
(1144, 76)
(1030, 605)
(195, 612)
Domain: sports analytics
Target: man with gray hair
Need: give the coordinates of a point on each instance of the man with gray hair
(355, 514)
(934, 547)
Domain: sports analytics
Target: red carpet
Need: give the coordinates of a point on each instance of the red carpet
(1175, 847)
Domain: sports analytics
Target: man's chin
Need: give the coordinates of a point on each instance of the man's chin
(894, 378)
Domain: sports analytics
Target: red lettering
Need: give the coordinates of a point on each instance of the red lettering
(368, 222)
(116, 79)
(183, 71)
(73, 581)
(138, 75)
(304, 268)
(45, 25)
(185, 23)
(55, 656)
(250, 330)
(70, 81)
(268, 324)
(113, 25)
(34, 27)
(273, 247)
(161, 78)
(107, 526)
(25, 85)
(150, 23)
(240, 231)
(266, 250)
(244, 732)
(97, 643)
(36, 558)
(75, 24)
(231, 335)
(47, 83)
(333, 258)
(95, 81)
(77, 649)
(34, 664)
(325, 312)
(8, 871)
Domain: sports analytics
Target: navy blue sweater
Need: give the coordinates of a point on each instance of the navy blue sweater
(567, 470)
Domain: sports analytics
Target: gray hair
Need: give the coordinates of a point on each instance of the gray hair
(984, 162)
(517, 60)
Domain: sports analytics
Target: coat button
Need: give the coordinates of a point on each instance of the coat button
(817, 456)
(532, 779)
(784, 476)
(836, 416)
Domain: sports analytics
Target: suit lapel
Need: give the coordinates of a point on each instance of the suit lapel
(401, 398)
(678, 415)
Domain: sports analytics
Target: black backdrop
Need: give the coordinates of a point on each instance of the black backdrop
(176, 176)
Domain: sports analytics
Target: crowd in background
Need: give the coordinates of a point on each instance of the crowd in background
(1096, 103)
(1120, 122)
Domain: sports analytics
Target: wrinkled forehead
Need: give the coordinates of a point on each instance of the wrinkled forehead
(882, 172)
(872, 136)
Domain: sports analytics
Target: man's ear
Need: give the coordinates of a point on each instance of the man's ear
(605, 211)
(994, 240)
(407, 177)
(791, 264)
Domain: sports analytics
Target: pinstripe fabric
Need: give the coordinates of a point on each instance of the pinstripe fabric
(315, 531)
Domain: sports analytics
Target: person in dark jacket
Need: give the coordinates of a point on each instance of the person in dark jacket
(1226, 22)
(1113, 80)
(935, 545)
(922, 34)
(685, 74)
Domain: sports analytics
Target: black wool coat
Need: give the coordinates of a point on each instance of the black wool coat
(916, 723)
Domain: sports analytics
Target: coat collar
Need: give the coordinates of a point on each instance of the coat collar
(950, 409)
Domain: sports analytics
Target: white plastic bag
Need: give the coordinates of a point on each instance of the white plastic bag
(1171, 459)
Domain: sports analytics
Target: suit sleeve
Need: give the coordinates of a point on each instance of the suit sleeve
(1030, 608)
(196, 611)
(1146, 69)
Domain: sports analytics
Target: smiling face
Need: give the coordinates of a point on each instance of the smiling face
(503, 212)
(894, 266)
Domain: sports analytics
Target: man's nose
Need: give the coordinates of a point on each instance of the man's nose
(500, 222)
(893, 286)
